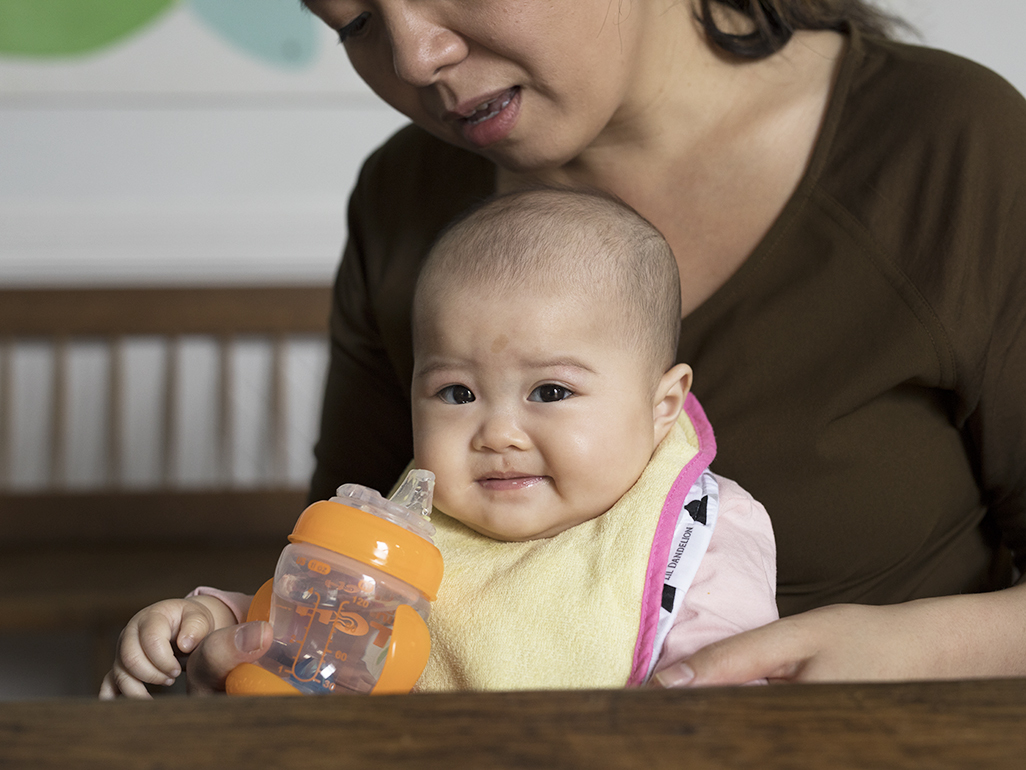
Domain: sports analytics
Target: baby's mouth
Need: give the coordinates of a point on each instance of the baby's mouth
(510, 481)
(491, 108)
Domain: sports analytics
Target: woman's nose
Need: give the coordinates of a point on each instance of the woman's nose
(422, 47)
(500, 431)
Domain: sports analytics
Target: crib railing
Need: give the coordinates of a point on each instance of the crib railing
(85, 550)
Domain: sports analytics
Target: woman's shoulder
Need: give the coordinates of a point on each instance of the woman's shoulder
(926, 175)
(923, 139)
(915, 79)
(927, 106)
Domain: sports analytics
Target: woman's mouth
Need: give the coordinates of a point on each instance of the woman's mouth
(492, 120)
(490, 109)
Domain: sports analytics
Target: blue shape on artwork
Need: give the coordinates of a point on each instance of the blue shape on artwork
(277, 31)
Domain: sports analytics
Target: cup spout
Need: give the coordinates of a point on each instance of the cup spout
(416, 491)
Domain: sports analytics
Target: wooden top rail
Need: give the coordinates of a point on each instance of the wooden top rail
(99, 518)
(932, 725)
(165, 311)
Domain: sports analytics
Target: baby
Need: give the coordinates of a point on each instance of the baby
(586, 543)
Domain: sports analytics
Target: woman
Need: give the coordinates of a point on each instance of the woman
(848, 215)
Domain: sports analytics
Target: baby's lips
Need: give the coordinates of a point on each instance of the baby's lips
(509, 481)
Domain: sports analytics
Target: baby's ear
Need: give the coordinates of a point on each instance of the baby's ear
(671, 392)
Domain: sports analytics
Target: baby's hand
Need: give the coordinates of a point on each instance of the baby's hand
(146, 648)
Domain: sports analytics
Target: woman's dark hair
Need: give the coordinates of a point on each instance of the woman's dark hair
(775, 21)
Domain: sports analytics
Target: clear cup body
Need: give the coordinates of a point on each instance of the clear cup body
(333, 618)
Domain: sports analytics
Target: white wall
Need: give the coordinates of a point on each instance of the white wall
(987, 31)
(175, 156)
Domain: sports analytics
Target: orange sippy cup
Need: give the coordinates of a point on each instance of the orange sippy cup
(350, 596)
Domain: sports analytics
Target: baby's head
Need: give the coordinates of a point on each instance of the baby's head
(545, 329)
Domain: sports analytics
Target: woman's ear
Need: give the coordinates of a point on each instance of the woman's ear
(670, 394)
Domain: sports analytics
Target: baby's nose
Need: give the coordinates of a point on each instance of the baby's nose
(501, 431)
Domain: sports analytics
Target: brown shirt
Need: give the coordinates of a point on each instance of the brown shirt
(864, 370)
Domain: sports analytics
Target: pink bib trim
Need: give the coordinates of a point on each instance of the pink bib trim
(652, 596)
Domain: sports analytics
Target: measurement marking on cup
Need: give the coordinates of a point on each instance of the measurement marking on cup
(306, 634)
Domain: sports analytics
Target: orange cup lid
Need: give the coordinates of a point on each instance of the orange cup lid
(372, 540)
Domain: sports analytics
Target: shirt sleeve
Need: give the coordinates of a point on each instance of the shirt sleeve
(237, 602)
(407, 191)
(365, 433)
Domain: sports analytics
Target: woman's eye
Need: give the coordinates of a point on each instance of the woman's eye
(353, 28)
(456, 394)
(548, 393)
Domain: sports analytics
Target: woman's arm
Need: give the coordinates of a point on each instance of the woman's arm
(950, 637)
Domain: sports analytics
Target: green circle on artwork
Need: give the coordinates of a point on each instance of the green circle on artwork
(55, 28)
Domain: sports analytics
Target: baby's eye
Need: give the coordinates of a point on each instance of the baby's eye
(549, 392)
(456, 394)
(353, 28)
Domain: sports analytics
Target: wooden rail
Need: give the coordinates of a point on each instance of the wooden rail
(934, 725)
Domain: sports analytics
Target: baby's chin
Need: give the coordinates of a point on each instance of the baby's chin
(506, 534)
(516, 534)
(503, 535)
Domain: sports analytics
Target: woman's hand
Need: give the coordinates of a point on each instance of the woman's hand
(981, 635)
(221, 651)
(837, 643)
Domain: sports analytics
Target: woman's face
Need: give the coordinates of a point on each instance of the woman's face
(528, 84)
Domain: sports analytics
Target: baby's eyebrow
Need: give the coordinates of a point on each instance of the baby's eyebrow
(562, 362)
(559, 362)
(433, 367)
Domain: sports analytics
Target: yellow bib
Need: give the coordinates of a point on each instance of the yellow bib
(558, 613)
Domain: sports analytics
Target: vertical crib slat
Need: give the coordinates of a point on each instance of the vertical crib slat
(278, 438)
(169, 417)
(6, 409)
(226, 418)
(115, 410)
(59, 414)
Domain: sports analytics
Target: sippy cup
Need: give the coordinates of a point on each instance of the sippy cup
(350, 596)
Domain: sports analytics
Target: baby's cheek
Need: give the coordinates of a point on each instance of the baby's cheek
(443, 498)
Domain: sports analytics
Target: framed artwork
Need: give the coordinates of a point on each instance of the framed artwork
(169, 46)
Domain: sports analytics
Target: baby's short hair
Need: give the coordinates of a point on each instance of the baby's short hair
(586, 242)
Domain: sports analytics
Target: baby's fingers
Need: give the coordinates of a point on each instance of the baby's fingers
(145, 654)
(148, 654)
(119, 682)
(197, 621)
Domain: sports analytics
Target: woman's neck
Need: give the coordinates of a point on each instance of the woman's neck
(708, 148)
(675, 93)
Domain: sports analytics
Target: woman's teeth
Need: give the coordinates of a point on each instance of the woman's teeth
(490, 109)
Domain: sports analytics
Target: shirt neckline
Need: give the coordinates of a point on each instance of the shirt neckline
(837, 101)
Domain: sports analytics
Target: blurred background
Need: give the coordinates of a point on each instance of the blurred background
(205, 143)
